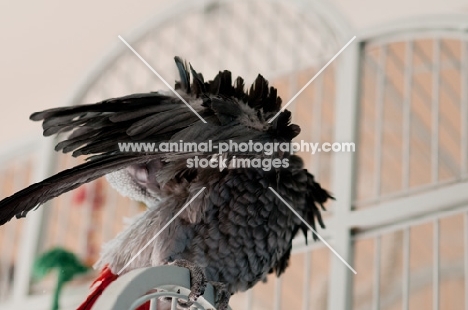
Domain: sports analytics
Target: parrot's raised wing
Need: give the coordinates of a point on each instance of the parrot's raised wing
(231, 113)
(36, 194)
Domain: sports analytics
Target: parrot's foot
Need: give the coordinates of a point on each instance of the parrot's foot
(197, 281)
(222, 295)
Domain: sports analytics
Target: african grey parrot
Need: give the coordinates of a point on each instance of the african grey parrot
(236, 230)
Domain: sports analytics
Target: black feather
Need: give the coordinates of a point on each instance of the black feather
(184, 75)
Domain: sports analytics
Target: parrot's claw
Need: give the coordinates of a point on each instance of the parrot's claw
(222, 295)
(197, 281)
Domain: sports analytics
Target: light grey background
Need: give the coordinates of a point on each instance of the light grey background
(47, 46)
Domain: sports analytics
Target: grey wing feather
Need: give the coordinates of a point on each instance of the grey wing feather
(97, 129)
(36, 194)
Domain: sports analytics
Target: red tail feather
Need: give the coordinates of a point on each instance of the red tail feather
(105, 278)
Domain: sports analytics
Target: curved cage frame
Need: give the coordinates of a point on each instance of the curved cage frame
(386, 223)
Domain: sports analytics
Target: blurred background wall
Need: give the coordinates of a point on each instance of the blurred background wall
(47, 46)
